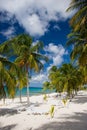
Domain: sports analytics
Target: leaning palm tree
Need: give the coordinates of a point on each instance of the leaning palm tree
(78, 36)
(56, 79)
(79, 19)
(79, 44)
(7, 78)
(28, 55)
(29, 59)
(21, 82)
(79, 52)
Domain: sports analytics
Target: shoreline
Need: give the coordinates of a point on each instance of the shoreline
(73, 116)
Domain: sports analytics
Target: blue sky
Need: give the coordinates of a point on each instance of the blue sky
(46, 21)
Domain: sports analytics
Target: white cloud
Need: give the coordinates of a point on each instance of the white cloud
(39, 78)
(34, 25)
(57, 60)
(9, 32)
(56, 53)
(35, 15)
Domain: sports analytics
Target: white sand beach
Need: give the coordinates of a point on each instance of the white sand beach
(18, 116)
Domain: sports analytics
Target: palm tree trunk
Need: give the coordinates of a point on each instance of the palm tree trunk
(20, 96)
(27, 86)
(4, 100)
(75, 92)
(28, 94)
(4, 94)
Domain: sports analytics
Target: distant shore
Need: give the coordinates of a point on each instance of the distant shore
(32, 91)
(18, 116)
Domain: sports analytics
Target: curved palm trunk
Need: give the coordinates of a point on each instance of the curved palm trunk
(4, 94)
(28, 94)
(27, 86)
(20, 96)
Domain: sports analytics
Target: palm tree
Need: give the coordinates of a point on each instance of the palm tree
(56, 79)
(28, 55)
(79, 52)
(7, 78)
(21, 82)
(78, 36)
(79, 20)
(79, 48)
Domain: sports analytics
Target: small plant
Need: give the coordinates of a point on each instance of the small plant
(52, 111)
(45, 97)
(64, 101)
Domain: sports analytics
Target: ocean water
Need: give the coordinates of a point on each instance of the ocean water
(33, 91)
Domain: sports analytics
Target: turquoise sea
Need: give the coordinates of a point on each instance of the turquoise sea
(33, 91)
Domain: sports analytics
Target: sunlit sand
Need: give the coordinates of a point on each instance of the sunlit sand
(18, 116)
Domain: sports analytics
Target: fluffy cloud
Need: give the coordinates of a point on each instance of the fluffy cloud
(34, 15)
(55, 53)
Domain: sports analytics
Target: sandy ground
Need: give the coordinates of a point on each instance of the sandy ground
(18, 116)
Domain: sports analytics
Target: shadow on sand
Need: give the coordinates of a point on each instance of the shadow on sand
(8, 127)
(81, 99)
(76, 122)
(6, 111)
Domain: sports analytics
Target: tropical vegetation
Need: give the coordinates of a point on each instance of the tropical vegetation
(19, 56)
(71, 77)
(27, 56)
(67, 78)
(9, 73)
(78, 35)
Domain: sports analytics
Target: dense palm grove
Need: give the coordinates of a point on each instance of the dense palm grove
(69, 77)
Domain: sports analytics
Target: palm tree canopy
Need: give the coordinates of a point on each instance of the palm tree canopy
(65, 78)
(7, 78)
(78, 35)
(27, 53)
(79, 20)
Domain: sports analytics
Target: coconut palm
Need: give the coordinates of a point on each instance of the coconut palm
(29, 58)
(78, 36)
(79, 48)
(28, 55)
(21, 82)
(7, 78)
(56, 79)
(79, 52)
(79, 19)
